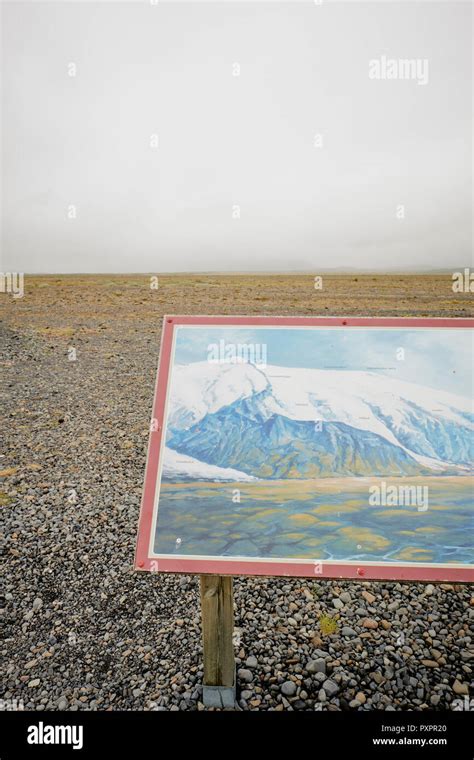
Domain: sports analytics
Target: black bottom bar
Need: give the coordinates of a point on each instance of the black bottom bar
(136, 735)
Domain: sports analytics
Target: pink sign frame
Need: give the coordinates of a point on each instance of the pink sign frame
(301, 568)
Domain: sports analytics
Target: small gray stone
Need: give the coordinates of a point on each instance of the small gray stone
(251, 662)
(330, 687)
(288, 688)
(346, 631)
(316, 666)
(245, 675)
(338, 604)
(322, 653)
(345, 597)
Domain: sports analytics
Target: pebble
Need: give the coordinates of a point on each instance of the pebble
(347, 631)
(245, 675)
(369, 623)
(288, 688)
(316, 666)
(430, 663)
(330, 687)
(460, 688)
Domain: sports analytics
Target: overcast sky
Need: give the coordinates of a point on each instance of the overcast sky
(437, 358)
(325, 166)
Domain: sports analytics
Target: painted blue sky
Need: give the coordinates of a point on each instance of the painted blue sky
(441, 359)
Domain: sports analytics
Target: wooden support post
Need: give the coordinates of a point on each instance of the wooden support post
(217, 612)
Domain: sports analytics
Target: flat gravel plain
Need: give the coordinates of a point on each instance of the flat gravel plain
(80, 629)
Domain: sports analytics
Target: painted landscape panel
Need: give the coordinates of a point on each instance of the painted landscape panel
(321, 445)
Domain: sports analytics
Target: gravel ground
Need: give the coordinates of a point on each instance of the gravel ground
(81, 629)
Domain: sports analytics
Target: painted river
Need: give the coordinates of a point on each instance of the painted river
(327, 519)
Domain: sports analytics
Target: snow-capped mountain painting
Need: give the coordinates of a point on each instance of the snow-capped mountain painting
(280, 422)
(266, 443)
